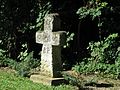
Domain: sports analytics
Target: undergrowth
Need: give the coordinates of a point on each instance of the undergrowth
(23, 67)
(104, 58)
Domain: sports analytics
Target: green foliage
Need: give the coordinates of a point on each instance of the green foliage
(3, 61)
(19, 19)
(104, 58)
(27, 62)
(16, 16)
(80, 80)
(72, 80)
(105, 51)
(69, 38)
(23, 68)
(43, 11)
(93, 8)
(104, 13)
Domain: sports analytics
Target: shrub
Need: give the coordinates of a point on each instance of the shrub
(3, 60)
(27, 63)
(24, 66)
(104, 58)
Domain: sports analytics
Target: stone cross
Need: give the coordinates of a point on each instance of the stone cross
(51, 50)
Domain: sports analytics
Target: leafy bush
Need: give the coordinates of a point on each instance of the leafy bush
(24, 66)
(27, 63)
(3, 61)
(92, 8)
(104, 58)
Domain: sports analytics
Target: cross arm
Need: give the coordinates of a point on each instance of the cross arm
(59, 38)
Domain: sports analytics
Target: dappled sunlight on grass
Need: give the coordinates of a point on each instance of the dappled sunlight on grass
(11, 81)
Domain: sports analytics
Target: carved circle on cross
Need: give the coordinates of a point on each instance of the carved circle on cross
(47, 37)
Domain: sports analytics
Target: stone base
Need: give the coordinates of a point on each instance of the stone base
(47, 80)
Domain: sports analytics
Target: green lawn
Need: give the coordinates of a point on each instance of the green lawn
(11, 81)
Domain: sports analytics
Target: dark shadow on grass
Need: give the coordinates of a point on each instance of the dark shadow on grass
(92, 86)
(99, 85)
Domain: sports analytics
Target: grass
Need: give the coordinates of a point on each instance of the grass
(11, 81)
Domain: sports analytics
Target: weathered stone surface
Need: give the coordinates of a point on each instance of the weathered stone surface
(52, 22)
(47, 80)
(55, 38)
(58, 38)
(51, 64)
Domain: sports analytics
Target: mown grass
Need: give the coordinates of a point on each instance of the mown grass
(11, 81)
